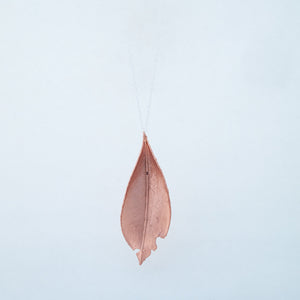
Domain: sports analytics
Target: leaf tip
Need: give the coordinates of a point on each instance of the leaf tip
(142, 255)
(144, 136)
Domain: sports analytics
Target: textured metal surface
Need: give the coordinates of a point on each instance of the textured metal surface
(146, 211)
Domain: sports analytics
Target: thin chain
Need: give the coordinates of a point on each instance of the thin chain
(151, 90)
(136, 91)
(144, 122)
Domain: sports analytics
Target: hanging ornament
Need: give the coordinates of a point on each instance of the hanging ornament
(146, 210)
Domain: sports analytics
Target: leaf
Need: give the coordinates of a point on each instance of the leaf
(146, 211)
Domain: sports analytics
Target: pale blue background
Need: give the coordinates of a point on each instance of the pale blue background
(224, 125)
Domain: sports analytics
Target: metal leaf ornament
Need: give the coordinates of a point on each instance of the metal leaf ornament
(146, 211)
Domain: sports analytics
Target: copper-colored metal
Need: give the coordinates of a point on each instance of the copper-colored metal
(146, 211)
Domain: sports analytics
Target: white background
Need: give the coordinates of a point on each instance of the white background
(224, 125)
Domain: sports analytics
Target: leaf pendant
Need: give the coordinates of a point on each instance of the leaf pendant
(146, 211)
